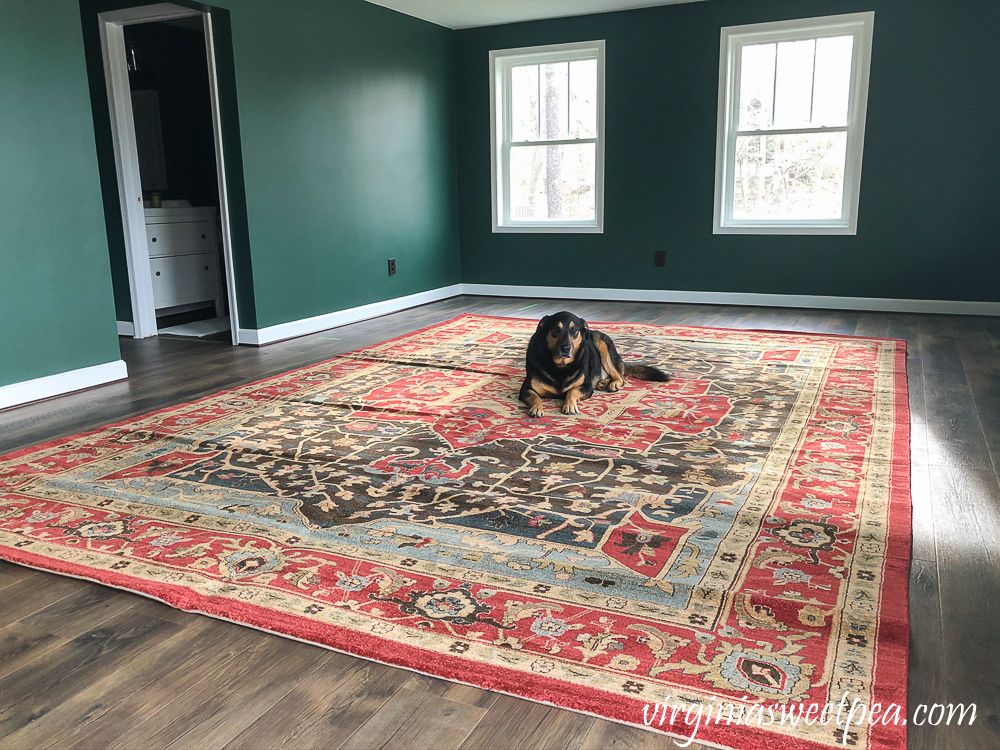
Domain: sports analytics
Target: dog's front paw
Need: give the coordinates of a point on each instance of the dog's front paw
(603, 385)
(535, 411)
(570, 408)
(615, 385)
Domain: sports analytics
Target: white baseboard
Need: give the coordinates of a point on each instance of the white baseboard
(262, 336)
(126, 328)
(16, 394)
(271, 334)
(869, 304)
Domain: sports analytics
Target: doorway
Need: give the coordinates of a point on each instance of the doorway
(159, 64)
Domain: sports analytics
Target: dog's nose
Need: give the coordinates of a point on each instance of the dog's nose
(566, 350)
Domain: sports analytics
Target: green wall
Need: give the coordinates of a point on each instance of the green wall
(930, 192)
(346, 129)
(56, 311)
(349, 153)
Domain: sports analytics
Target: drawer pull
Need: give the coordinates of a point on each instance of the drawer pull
(154, 239)
(203, 236)
(206, 268)
(157, 273)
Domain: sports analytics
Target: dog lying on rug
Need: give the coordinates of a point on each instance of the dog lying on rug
(567, 359)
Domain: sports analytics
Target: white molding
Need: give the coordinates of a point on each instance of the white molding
(147, 13)
(271, 334)
(733, 39)
(501, 62)
(27, 391)
(283, 331)
(127, 172)
(818, 302)
(220, 171)
(126, 328)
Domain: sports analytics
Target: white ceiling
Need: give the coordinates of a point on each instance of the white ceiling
(463, 14)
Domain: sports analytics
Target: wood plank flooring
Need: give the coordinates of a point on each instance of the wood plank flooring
(83, 666)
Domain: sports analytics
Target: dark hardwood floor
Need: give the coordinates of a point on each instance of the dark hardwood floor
(83, 666)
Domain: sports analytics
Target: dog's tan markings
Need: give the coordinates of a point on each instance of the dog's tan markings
(575, 338)
(534, 404)
(542, 388)
(552, 339)
(573, 397)
(538, 389)
(614, 381)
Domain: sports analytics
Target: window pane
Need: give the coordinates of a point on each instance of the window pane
(555, 100)
(583, 99)
(833, 80)
(789, 176)
(568, 101)
(757, 86)
(524, 102)
(793, 84)
(552, 182)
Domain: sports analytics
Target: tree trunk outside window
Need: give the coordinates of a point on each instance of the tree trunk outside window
(553, 162)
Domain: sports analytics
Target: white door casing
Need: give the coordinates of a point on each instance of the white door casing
(112, 26)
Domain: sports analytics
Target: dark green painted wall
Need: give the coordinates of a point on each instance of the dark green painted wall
(930, 192)
(347, 134)
(56, 311)
(346, 116)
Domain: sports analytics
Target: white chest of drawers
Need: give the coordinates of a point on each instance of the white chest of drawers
(184, 257)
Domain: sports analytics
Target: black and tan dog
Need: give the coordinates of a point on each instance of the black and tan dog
(567, 359)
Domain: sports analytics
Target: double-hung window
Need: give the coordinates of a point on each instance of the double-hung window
(547, 106)
(792, 101)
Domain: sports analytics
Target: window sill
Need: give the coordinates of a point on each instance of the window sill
(548, 229)
(793, 229)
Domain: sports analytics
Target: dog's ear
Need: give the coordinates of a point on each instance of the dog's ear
(541, 324)
(584, 329)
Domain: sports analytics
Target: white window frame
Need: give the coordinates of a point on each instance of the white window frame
(501, 62)
(734, 38)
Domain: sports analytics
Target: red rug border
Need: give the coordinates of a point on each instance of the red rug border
(896, 578)
(503, 680)
(475, 674)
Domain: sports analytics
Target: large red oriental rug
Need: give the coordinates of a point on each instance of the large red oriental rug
(732, 545)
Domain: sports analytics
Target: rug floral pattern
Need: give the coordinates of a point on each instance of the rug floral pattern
(740, 533)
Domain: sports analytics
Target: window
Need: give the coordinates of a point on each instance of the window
(792, 99)
(548, 138)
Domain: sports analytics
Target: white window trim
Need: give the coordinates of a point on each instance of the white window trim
(501, 61)
(733, 39)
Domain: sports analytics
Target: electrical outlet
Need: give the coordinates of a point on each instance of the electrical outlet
(660, 258)
(392, 266)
